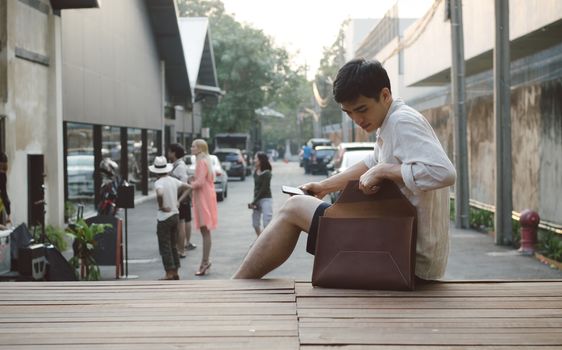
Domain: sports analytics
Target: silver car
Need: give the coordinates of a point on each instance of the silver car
(221, 177)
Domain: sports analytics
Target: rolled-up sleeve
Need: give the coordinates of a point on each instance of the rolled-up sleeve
(424, 164)
(371, 160)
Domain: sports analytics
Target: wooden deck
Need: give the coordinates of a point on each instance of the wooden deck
(278, 314)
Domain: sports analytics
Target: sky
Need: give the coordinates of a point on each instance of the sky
(305, 27)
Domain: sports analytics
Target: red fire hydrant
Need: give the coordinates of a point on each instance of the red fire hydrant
(529, 220)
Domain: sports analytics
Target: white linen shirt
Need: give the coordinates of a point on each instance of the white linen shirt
(169, 187)
(406, 138)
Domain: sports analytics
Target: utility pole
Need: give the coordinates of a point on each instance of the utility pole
(502, 104)
(462, 194)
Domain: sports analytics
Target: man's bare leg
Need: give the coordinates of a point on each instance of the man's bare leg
(277, 241)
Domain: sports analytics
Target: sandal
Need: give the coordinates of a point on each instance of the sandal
(203, 269)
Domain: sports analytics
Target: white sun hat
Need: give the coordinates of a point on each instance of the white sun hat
(160, 166)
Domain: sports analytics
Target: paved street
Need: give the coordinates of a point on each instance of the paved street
(473, 254)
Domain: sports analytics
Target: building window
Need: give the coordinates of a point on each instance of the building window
(80, 165)
(111, 143)
(134, 142)
(153, 150)
(3, 133)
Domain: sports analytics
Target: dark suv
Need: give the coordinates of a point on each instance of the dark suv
(232, 161)
(321, 156)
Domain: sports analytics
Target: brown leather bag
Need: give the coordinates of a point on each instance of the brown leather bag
(367, 241)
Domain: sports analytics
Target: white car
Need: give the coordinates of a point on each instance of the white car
(349, 159)
(80, 171)
(221, 177)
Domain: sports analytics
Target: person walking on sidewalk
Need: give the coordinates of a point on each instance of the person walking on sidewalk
(5, 207)
(204, 200)
(168, 189)
(176, 152)
(262, 204)
(407, 152)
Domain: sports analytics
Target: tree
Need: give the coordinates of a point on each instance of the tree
(332, 59)
(250, 69)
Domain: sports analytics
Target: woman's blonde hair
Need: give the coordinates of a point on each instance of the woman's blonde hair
(204, 148)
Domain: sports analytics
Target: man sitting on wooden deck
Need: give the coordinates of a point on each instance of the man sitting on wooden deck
(407, 152)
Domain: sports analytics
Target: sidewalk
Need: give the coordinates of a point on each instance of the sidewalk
(473, 255)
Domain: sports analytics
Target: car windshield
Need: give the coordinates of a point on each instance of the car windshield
(84, 161)
(227, 157)
(325, 152)
(351, 158)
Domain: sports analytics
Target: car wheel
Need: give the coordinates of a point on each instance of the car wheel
(220, 197)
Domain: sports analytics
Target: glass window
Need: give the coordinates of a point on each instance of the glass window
(153, 150)
(111, 143)
(134, 142)
(80, 164)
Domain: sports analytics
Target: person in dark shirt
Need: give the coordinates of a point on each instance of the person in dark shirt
(262, 204)
(5, 211)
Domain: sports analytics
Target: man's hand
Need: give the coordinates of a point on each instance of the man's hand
(370, 181)
(165, 209)
(315, 189)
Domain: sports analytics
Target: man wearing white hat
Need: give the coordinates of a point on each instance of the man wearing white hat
(167, 190)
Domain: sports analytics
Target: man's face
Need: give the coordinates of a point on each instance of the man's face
(368, 113)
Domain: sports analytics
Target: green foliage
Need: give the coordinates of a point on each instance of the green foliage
(484, 221)
(332, 59)
(54, 235)
(481, 220)
(69, 210)
(550, 245)
(84, 241)
(251, 70)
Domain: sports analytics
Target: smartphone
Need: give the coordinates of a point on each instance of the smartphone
(292, 190)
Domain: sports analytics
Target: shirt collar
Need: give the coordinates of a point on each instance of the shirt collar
(396, 103)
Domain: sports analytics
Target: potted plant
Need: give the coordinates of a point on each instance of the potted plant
(84, 245)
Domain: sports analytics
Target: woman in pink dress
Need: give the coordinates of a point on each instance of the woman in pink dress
(204, 200)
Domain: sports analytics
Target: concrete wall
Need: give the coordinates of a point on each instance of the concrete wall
(536, 117)
(479, 30)
(31, 104)
(103, 52)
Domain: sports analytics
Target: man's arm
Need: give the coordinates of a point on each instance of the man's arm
(184, 190)
(336, 182)
(160, 200)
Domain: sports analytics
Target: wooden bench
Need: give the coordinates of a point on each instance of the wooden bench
(278, 314)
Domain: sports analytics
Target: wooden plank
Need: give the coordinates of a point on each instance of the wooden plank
(422, 347)
(238, 343)
(433, 322)
(430, 303)
(117, 319)
(157, 298)
(183, 284)
(521, 290)
(425, 337)
(429, 313)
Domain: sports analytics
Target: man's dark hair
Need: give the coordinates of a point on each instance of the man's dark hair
(177, 149)
(360, 77)
(3, 157)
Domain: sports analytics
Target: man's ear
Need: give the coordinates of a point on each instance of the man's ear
(385, 94)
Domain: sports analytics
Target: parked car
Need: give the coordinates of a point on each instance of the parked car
(314, 142)
(232, 161)
(221, 177)
(343, 148)
(321, 156)
(350, 158)
(80, 171)
(249, 161)
(272, 154)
